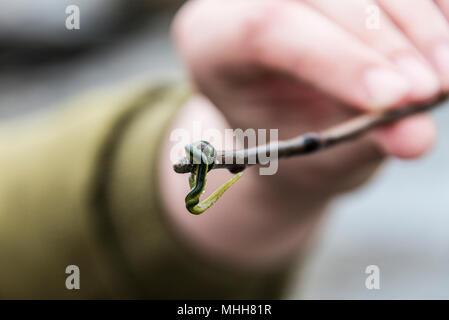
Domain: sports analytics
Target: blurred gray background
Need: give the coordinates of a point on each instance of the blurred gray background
(399, 222)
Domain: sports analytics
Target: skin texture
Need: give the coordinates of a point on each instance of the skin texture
(298, 66)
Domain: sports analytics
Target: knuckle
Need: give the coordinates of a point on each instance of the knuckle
(184, 20)
(257, 25)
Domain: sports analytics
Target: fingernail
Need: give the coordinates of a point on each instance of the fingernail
(385, 87)
(424, 82)
(441, 60)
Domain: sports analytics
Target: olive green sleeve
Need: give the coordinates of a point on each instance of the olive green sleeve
(79, 187)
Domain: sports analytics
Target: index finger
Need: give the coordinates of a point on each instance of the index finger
(293, 38)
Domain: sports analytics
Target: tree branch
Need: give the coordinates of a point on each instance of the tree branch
(313, 141)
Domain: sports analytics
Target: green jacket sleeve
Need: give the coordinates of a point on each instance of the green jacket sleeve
(79, 187)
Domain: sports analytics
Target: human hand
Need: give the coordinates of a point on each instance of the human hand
(305, 65)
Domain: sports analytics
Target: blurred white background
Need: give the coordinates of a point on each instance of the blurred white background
(400, 221)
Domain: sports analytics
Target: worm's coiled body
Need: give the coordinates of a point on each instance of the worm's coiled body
(202, 154)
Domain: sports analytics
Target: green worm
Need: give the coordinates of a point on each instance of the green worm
(203, 155)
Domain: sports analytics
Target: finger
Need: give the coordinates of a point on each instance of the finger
(444, 6)
(427, 27)
(292, 37)
(370, 24)
(408, 139)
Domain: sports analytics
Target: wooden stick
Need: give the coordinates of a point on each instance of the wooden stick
(313, 141)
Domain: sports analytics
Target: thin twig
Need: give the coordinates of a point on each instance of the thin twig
(313, 142)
